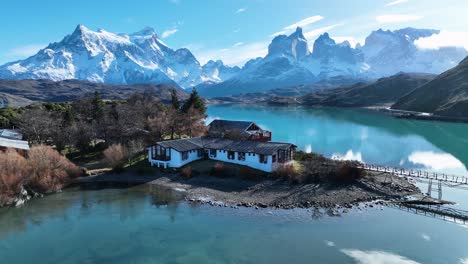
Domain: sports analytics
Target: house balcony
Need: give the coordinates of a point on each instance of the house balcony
(263, 136)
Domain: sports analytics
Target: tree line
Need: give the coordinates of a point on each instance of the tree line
(140, 120)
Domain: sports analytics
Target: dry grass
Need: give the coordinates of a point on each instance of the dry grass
(44, 171)
(13, 172)
(115, 156)
(49, 171)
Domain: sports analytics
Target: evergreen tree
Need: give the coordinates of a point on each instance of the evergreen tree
(175, 100)
(196, 102)
(97, 106)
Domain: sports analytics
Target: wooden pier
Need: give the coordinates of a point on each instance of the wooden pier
(434, 211)
(410, 173)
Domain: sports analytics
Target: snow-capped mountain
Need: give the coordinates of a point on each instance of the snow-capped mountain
(389, 52)
(105, 57)
(216, 72)
(289, 62)
(141, 57)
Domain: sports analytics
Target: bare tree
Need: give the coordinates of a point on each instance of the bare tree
(193, 122)
(36, 125)
(115, 155)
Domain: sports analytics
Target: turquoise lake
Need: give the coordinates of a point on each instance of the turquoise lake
(147, 224)
(362, 135)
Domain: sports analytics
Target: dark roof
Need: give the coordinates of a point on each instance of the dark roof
(266, 148)
(11, 134)
(221, 125)
(185, 144)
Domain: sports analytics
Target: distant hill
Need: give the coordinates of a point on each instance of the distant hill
(23, 92)
(446, 95)
(13, 100)
(384, 91)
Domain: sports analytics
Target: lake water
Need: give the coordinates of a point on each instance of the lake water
(147, 224)
(362, 135)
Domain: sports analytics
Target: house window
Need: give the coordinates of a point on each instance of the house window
(184, 155)
(230, 155)
(213, 153)
(274, 158)
(263, 158)
(241, 155)
(200, 153)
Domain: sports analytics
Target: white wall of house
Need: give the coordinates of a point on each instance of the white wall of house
(176, 159)
(251, 160)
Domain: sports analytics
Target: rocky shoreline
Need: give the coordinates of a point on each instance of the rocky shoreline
(376, 188)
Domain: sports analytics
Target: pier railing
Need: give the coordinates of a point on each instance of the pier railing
(412, 173)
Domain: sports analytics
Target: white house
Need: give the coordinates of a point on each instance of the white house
(264, 156)
(12, 139)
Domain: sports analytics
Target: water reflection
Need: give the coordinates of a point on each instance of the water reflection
(441, 162)
(377, 138)
(376, 257)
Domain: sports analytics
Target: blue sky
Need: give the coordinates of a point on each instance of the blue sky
(232, 30)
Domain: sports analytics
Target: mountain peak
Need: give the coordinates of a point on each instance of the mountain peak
(146, 31)
(297, 34)
(294, 45)
(80, 29)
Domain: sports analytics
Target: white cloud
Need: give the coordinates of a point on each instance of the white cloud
(241, 10)
(304, 22)
(169, 32)
(397, 18)
(318, 31)
(237, 55)
(329, 243)
(464, 261)
(435, 161)
(238, 44)
(26, 50)
(444, 39)
(396, 2)
(282, 32)
(376, 257)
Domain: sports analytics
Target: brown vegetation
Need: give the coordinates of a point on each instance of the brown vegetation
(49, 171)
(218, 169)
(187, 172)
(116, 155)
(14, 168)
(44, 170)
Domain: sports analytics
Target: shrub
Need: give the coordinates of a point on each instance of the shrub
(187, 172)
(289, 173)
(13, 172)
(49, 171)
(218, 169)
(347, 172)
(115, 156)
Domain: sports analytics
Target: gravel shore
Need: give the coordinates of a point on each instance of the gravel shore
(268, 192)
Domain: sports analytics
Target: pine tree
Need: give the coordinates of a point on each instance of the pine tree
(196, 101)
(175, 100)
(97, 106)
